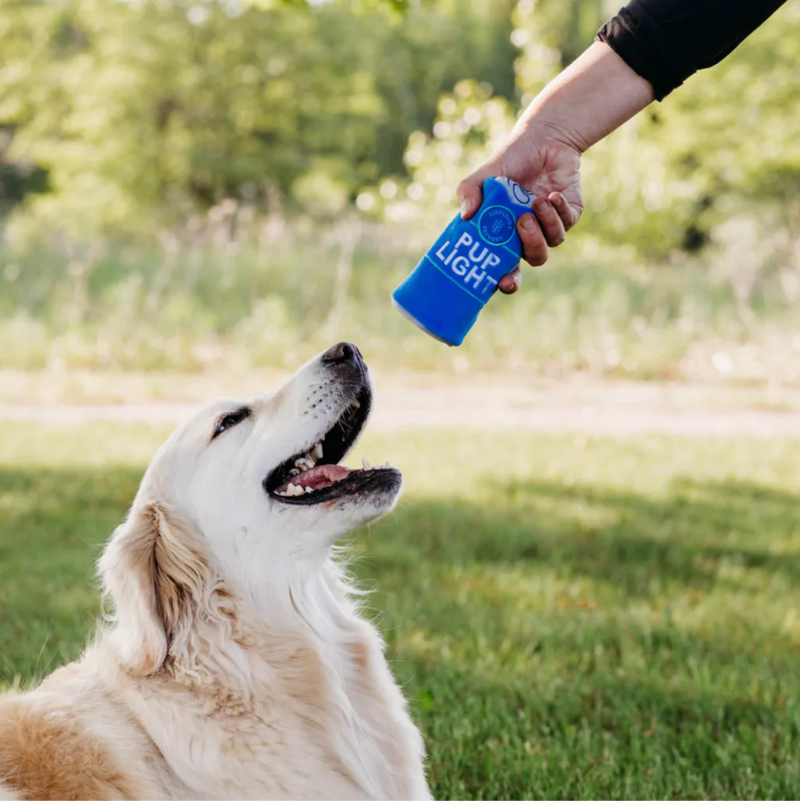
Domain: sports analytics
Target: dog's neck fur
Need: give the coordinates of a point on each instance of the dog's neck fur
(314, 658)
(376, 734)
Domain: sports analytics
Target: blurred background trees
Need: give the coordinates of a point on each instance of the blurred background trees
(142, 113)
(176, 162)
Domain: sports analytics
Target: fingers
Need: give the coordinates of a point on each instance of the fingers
(511, 282)
(550, 222)
(534, 245)
(548, 229)
(470, 190)
(568, 214)
(470, 195)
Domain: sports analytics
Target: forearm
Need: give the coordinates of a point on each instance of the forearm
(592, 97)
(666, 41)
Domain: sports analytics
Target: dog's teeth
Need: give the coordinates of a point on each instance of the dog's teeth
(365, 464)
(317, 452)
(294, 472)
(308, 489)
(355, 404)
(387, 464)
(292, 490)
(304, 463)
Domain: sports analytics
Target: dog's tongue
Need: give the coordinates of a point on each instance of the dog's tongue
(325, 475)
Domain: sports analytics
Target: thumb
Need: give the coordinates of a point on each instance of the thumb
(470, 190)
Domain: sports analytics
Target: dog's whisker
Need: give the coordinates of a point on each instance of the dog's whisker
(228, 616)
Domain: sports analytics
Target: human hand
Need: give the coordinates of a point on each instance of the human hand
(550, 169)
(584, 103)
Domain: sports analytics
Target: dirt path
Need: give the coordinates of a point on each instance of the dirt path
(616, 409)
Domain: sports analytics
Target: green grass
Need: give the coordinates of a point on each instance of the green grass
(570, 616)
(275, 299)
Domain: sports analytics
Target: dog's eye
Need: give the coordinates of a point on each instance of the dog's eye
(230, 420)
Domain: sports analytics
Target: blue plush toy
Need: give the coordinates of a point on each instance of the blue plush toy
(454, 280)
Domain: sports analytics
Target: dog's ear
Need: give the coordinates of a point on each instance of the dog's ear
(155, 569)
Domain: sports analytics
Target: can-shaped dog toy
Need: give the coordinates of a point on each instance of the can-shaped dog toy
(454, 280)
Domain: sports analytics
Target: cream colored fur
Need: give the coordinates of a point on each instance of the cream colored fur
(234, 662)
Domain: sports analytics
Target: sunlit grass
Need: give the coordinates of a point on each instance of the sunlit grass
(276, 294)
(570, 616)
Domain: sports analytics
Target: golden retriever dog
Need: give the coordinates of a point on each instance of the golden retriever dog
(233, 662)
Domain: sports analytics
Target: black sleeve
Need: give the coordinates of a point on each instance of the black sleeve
(666, 41)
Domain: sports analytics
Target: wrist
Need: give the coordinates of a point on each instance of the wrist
(539, 127)
(591, 98)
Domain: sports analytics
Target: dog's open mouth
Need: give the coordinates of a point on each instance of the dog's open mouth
(315, 475)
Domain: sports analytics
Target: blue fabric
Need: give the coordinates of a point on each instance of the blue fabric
(455, 279)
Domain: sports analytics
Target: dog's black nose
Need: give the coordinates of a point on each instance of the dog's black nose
(341, 353)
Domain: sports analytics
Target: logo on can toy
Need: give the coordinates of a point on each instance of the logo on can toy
(496, 225)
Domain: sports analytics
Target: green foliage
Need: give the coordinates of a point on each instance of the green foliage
(145, 112)
(570, 617)
(211, 133)
(723, 144)
(243, 292)
(470, 122)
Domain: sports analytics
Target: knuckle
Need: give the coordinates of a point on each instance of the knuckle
(573, 219)
(536, 258)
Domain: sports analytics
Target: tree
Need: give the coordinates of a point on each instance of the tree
(723, 141)
(144, 113)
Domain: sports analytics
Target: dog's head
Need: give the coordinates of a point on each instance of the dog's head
(246, 494)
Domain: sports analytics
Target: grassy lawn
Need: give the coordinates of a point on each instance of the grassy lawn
(570, 616)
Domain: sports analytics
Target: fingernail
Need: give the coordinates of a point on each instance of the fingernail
(466, 208)
(527, 224)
